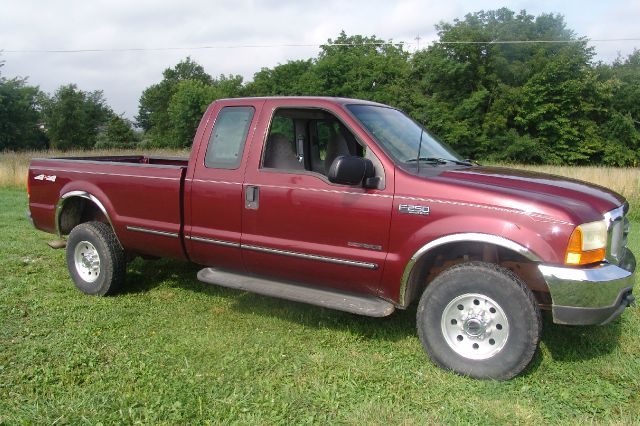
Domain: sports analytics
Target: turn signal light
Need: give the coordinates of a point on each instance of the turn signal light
(587, 244)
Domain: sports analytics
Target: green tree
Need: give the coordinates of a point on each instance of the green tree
(622, 130)
(294, 78)
(627, 73)
(185, 111)
(117, 133)
(349, 66)
(154, 103)
(190, 101)
(562, 106)
(363, 67)
(73, 118)
(20, 121)
(535, 102)
(488, 97)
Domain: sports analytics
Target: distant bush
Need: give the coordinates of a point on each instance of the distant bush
(118, 133)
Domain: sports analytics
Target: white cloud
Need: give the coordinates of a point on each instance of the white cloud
(109, 24)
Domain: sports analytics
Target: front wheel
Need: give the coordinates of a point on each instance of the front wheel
(479, 320)
(95, 258)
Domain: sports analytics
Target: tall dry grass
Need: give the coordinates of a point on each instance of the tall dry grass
(623, 180)
(14, 165)
(626, 181)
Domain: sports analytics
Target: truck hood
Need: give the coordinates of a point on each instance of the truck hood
(537, 192)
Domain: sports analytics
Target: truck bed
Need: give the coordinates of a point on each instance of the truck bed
(141, 196)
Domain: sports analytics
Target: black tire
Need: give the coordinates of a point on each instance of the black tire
(460, 318)
(86, 241)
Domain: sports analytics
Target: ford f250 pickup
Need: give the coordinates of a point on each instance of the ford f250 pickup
(352, 205)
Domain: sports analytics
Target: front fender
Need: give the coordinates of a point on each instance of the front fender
(538, 238)
(535, 240)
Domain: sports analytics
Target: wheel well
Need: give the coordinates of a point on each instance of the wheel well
(77, 210)
(440, 258)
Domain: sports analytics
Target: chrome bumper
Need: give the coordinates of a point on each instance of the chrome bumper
(596, 295)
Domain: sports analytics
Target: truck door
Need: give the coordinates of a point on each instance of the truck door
(296, 224)
(213, 192)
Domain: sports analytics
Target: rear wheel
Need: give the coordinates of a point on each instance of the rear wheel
(479, 320)
(95, 259)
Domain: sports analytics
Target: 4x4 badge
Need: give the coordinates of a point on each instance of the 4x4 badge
(50, 178)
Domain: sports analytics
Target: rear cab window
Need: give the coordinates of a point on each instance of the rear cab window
(229, 135)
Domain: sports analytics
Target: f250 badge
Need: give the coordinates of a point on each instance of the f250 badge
(50, 178)
(411, 209)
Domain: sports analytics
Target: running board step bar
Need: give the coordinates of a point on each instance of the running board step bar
(370, 306)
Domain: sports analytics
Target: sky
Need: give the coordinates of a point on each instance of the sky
(227, 24)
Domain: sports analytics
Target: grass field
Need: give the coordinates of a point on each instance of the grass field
(172, 350)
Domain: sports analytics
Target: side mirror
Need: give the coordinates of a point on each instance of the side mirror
(352, 170)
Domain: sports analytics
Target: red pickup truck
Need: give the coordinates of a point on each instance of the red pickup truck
(352, 205)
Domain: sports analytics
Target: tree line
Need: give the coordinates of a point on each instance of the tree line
(69, 119)
(491, 99)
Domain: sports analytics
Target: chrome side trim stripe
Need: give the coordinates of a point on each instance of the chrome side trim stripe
(326, 259)
(317, 257)
(224, 182)
(365, 246)
(152, 231)
(212, 241)
(330, 191)
(365, 265)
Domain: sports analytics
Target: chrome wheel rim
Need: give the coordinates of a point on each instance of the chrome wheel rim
(475, 326)
(87, 261)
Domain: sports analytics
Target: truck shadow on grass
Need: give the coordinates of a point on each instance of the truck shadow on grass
(578, 343)
(564, 343)
(144, 276)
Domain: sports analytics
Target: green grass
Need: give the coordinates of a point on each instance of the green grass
(173, 350)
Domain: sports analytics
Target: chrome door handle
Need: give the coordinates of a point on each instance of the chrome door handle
(251, 197)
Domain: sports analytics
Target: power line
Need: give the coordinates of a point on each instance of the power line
(230, 46)
(267, 46)
(540, 41)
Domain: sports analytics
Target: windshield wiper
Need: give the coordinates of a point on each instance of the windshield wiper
(431, 160)
(439, 160)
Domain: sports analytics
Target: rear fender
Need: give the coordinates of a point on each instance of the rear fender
(86, 191)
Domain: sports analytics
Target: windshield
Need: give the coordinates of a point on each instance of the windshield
(400, 136)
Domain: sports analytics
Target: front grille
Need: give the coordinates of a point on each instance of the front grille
(625, 234)
(616, 246)
(618, 230)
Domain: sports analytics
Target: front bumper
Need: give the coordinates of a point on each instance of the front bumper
(595, 295)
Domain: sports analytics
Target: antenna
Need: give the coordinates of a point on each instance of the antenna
(419, 148)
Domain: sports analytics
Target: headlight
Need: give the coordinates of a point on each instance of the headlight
(587, 244)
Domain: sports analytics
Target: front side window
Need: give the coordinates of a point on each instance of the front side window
(228, 137)
(400, 136)
(307, 140)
